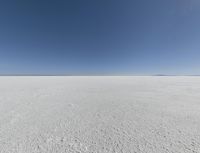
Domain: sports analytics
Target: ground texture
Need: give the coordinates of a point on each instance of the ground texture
(99, 114)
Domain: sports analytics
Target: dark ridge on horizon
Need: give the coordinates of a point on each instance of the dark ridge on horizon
(176, 75)
(159, 75)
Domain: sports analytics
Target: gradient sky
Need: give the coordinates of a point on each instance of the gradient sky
(100, 37)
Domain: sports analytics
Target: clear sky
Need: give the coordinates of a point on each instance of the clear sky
(142, 37)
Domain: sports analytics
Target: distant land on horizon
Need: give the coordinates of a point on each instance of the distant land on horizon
(94, 75)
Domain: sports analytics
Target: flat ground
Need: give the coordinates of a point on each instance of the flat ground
(99, 114)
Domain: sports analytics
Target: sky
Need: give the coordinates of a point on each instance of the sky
(100, 37)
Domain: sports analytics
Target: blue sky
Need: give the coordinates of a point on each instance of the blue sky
(139, 37)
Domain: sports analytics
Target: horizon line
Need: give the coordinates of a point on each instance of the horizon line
(96, 75)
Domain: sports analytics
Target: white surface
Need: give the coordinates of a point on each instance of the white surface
(99, 114)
